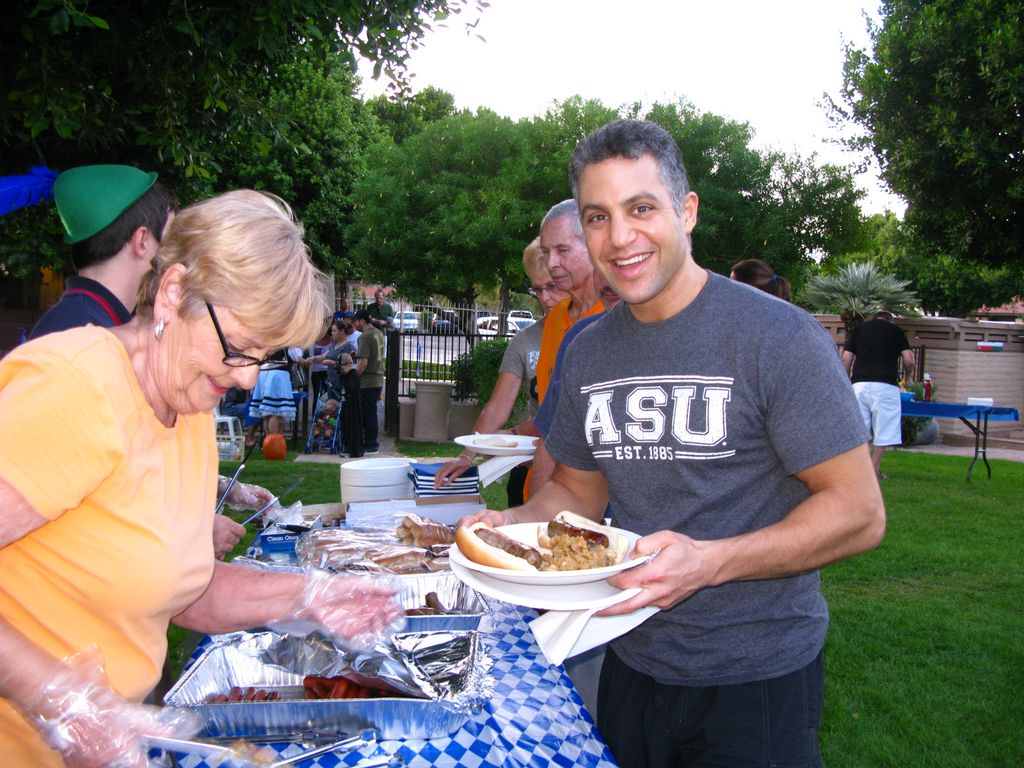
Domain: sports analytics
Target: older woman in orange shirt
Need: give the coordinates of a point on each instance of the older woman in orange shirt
(106, 504)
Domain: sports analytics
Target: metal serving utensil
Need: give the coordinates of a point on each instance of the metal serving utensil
(358, 741)
(231, 484)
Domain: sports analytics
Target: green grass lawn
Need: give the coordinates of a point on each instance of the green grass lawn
(925, 654)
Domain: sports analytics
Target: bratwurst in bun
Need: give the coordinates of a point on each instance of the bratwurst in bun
(569, 542)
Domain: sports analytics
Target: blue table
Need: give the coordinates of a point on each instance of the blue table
(534, 719)
(981, 415)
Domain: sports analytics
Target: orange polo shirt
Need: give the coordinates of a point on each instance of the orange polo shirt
(129, 507)
(557, 322)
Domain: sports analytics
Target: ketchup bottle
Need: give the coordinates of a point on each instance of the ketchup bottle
(927, 394)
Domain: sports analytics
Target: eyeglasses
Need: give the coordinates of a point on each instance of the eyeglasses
(537, 290)
(233, 359)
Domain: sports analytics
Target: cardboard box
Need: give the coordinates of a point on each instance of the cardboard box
(443, 509)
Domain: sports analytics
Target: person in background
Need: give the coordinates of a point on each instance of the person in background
(382, 315)
(341, 343)
(759, 274)
(272, 399)
(871, 356)
(98, 558)
(317, 369)
(543, 463)
(565, 255)
(718, 423)
(114, 217)
(351, 407)
(370, 367)
(518, 371)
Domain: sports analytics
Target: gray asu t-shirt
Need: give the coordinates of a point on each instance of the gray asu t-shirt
(699, 423)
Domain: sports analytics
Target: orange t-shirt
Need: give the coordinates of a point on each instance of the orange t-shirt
(556, 323)
(129, 502)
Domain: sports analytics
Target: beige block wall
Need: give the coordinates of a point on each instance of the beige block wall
(958, 369)
(958, 375)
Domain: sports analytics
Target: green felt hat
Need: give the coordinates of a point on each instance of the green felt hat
(91, 197)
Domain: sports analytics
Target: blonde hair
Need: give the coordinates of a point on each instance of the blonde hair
(244, 250)
(533, 262)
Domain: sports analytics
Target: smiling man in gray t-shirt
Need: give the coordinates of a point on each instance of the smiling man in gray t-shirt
(720, 425)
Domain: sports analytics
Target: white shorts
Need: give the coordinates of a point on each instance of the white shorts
(880, 406)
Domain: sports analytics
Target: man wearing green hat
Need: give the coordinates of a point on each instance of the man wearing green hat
(115, 217)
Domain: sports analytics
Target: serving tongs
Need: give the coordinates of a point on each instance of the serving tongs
(217, 756)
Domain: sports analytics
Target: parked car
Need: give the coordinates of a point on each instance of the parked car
(445, 323)
(407, 321)
(522, 314)
(488, 326)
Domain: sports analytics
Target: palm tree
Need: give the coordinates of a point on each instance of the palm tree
(857, 292)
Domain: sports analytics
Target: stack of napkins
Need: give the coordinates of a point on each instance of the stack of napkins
(561, 635)
(499, 466)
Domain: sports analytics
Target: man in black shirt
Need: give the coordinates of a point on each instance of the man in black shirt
(872, 355)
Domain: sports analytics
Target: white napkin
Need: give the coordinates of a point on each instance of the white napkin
(498, 466)
(560, 634)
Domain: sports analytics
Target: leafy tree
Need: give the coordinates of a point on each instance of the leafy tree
(438, 214)
(858, 291)
(939, 98)
(314, 172)
(158, 82)
(404, 116)
(945, 285)
(759, 205)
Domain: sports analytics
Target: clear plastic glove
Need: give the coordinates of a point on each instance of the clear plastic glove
(247, 496)
(356, 612)
(91, 726)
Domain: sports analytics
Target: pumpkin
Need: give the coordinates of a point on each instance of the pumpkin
(274, 447)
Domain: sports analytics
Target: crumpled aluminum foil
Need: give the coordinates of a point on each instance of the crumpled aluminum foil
(447, 666)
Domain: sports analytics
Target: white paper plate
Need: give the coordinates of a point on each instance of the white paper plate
(570, 597)
(525, 444)
(527, 534)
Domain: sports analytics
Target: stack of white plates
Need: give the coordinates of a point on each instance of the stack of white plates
(371, 479)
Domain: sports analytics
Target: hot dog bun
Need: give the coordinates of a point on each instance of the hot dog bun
(618, 545)
(470, 543)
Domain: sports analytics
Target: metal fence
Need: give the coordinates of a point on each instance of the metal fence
(418, 356)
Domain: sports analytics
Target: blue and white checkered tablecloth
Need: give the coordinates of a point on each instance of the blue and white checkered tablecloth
(535, 717)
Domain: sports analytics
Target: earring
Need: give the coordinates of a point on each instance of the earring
(158, 331)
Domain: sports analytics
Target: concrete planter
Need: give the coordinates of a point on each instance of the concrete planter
(433, 399)
(462, 415)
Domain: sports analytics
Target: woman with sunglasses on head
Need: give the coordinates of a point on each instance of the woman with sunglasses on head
(518, 371)
(106, 505)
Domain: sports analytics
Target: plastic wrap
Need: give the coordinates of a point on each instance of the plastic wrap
(356, 612)
(374, 551)
(79, 715)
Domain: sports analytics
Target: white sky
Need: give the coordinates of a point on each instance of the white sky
(764, 63)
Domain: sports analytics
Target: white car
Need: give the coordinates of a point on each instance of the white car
(521, 314)
(488, 326)
(407, 321)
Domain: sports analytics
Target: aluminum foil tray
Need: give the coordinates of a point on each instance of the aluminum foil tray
(223, 666)
(469, 606)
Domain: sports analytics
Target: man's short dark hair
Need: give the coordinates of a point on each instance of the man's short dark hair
(149, 211)
(632, 139)
(363, 315)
